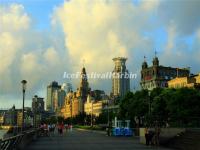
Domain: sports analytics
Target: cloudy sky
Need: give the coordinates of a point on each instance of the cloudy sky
(42, 39)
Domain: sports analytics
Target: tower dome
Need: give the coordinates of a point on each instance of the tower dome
(144, 64)
(155, 61)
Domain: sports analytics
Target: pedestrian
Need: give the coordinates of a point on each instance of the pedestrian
(147, 135)
(157, 135)
(71, 127)
(61, 128)
(151, 137)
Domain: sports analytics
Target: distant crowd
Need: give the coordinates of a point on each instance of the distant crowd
(49, 129)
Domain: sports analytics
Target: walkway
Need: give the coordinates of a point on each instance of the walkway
(86, 140)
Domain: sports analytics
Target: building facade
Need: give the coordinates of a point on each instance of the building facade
(73, 105)
(37, 109)
(37, 104)
(120, 77)
(61, 97)
(189, 82)
(93, 107)
(197, 77)
(52, 96)
(74, 101)
(158, 76)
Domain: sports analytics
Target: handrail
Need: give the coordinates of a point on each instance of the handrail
(18, 141)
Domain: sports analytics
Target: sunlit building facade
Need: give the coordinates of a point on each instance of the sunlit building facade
(158, 76)
(189, 82)
(120, 77)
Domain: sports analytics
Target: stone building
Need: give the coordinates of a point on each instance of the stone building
(158, 76)
(93, 107)
(74, 101)
(190, 82)
(66, 110)
(120, 78)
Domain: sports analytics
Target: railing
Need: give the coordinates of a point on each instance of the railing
(19, 141)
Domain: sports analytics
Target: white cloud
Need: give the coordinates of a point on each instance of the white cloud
(13, 18)
(9, 46)
(51, 57)
(98, 31)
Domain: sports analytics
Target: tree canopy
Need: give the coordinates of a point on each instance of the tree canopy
(174, 106)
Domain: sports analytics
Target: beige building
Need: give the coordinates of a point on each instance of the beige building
(73, 105)
(74, 101)
(93, 107)
(197, 77)
(190, 82)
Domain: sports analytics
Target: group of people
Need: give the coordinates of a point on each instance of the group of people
(152, 136)
(49, 129)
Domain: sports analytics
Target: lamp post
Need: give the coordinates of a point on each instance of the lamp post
(149, 93)
(92, 114)
(108, 113)
(23, 91)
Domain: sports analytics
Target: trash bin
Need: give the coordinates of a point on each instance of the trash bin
(128, 132)
(121, 131)
(116, 131)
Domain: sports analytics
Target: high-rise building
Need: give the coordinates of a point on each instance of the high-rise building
(37, 104)
(61, 97)
(120, 77)
(37, 109)
(158, 76)
(52, 100)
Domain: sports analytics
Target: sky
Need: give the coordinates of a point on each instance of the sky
(42, 39)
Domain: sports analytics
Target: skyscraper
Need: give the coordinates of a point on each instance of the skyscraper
(120, 77)
(51, 92)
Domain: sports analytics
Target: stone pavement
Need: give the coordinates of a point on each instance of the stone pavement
(85, 140)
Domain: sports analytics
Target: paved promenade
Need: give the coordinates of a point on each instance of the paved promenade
(86, 140)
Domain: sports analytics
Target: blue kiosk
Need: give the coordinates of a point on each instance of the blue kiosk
(121, 128)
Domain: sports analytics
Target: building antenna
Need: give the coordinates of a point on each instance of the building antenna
(144, 58)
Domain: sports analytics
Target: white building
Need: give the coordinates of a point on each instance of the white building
(120, 77)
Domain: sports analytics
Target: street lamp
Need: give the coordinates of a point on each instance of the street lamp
(92, 113)
(149, 94)
(23, 91)
(108, 112)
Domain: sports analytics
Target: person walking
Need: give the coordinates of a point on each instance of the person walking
(147, 135)
(61, 128)
(157, 135)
